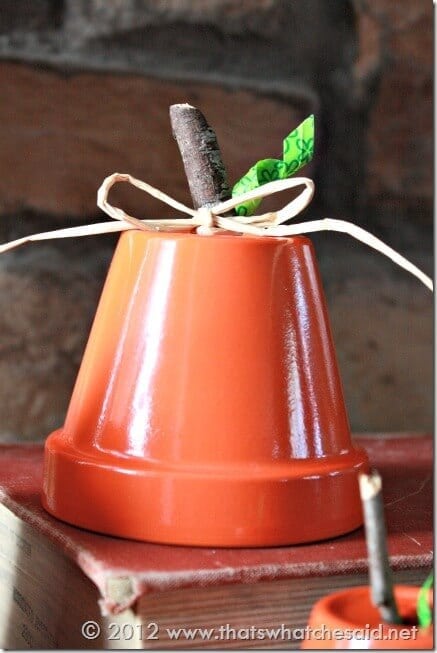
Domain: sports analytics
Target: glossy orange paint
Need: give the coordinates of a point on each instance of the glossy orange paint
(208, 409)
(351, 610)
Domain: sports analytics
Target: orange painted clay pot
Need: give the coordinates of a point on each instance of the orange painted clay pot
(348, 620)
(208, 409)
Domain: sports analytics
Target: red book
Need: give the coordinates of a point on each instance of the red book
(54, 577)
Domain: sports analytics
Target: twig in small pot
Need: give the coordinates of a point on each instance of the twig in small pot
(379, 566)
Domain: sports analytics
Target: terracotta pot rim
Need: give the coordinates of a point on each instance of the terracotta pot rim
(294, 502)
(243, 470)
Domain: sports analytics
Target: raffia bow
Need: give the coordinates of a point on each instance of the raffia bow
(210, 220)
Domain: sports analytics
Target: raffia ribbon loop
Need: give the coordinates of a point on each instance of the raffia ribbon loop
(210, 220)
(149, 225)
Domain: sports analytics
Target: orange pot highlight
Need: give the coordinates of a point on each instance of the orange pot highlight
(208, 409)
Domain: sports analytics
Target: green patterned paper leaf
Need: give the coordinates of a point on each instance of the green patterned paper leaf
(299, 146)
(246, 183)
(424, 612)
(270, 170)
(298, 150)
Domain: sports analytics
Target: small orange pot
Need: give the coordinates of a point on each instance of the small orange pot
(208, 409)
(349, 620)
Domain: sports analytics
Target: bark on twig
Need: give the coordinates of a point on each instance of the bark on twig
(206, 173)
(379, 566)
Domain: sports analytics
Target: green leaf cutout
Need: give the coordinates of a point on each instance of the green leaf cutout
(424, 612)
(298, 150)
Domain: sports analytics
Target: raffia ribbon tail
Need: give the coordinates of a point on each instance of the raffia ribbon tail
(211, 220)
(343, 226)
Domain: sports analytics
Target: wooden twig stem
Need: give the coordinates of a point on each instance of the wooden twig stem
(206, 173)
(379, 566)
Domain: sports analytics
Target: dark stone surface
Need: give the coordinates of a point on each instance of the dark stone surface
(29, 15)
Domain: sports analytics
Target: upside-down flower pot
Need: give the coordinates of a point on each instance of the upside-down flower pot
(349, 620)
(208, 409)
